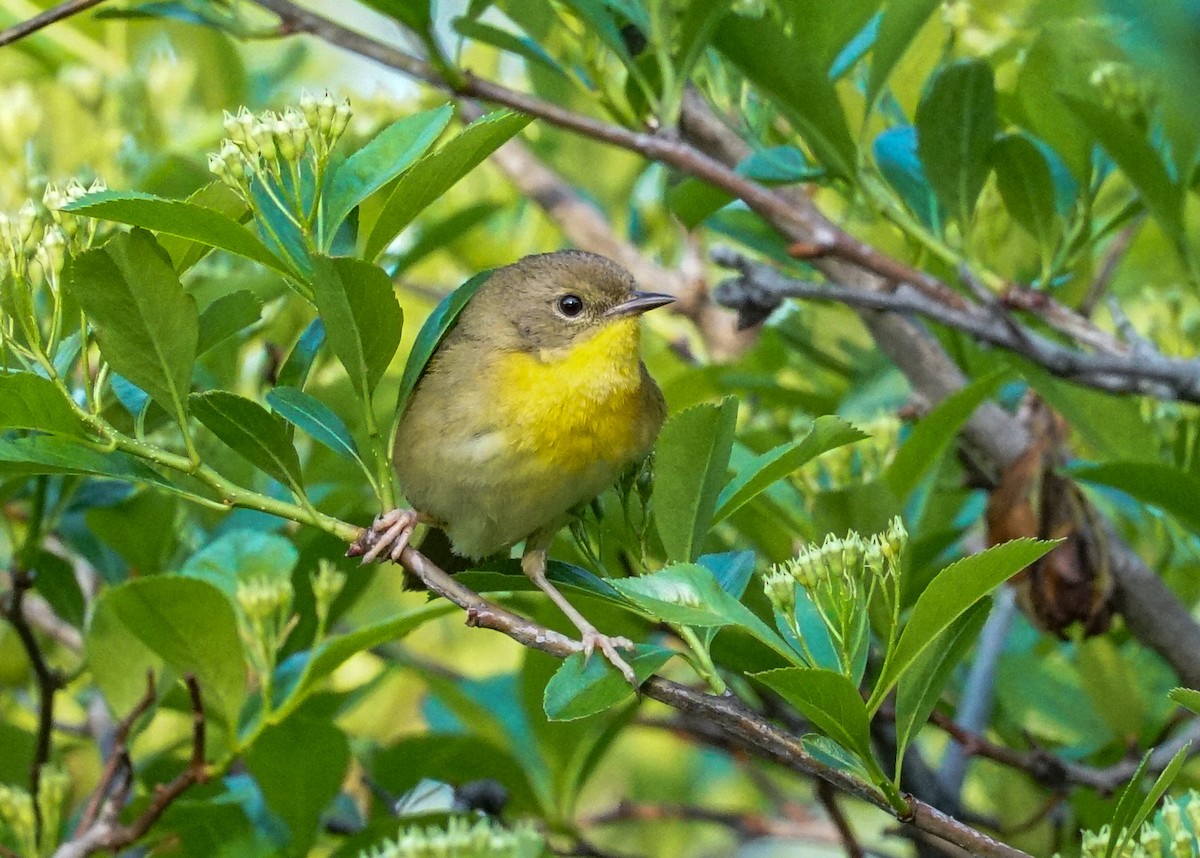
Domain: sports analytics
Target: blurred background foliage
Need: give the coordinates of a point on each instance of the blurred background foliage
(1096, 102)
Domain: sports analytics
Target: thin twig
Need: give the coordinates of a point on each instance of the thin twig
(49, 681)
(746, 825)
(120, 748)
(1108, 268)
(106, 832)
(58, 13)
(828, 798)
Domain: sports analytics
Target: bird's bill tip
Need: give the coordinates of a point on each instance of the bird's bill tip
(638, 303)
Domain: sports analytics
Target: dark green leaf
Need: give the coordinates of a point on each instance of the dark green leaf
(187, 623)
(225, 317)
(930, 438)
(182, 219)
(696, 27)
(314, 417)
(392, 151)
(1163, 486)
(794, 79)
(29, 401)
(1187, 697)
(146, 325)
(363, 320)
(297, 786)
(898, 28)
(435, 327)
(215, 196)
(580, 689)
(1026, 186)
(434, 174)
(252, 432)
(921, 685)
(956, 122)
(830, 701)
(690, 461)
(762, 471)
(955, 589)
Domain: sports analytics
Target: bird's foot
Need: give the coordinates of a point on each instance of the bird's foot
(387, 536)
(593, 640)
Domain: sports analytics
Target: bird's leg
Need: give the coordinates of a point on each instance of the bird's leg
(533, 563)
(388, 535)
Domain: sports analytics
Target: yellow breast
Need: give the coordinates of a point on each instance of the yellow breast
(575, 407)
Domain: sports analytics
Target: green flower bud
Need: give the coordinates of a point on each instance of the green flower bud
(1192, 809)
(308, 107)
(281, 134)
(341, 119)
(1151, 841)
(1183, 845)
(264, 597)
(327, 583)
(780, 587)
(325, 113)
(264, 138)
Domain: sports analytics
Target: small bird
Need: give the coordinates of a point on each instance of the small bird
(535, 402)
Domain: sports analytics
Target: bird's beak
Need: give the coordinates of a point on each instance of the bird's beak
(638, 303)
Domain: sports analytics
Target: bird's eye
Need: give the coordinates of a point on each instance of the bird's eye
(570, 305)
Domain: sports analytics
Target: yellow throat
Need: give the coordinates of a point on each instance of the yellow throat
(576, 406)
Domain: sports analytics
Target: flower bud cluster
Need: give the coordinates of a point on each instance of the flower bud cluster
(16, 817)
(35, 241)
(844, 566)
(265, 619)
(1121, 90)
(1174, 833)
(461, 839)
(276, 142)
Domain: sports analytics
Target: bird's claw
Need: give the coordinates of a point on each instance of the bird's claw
(388, 535)
(593, 640)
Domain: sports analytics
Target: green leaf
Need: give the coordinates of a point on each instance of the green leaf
(1189, 698)
(434, 174)
(314, 417)
(187, 623)
(1111, 683)
(29, 401)
(830, 701)
(1129, 146)
(333, 652)
(146, 325)
(48, 454)
(1026, 186)
(690, 461)
(182, 219)
(762, 471)
(225, 317)
(435, 328)
(948, 596)
(956, 122)
(579, 689)
(690, 595)
(215, 196)
(296, 786)
(392, 151)
(921, 685)
(930, 438)
(793, 78)
(1126, 821)
(1168, 488)
(696, 27)
(898, 28)
(295, 370)
(252, 432)
(363, 320)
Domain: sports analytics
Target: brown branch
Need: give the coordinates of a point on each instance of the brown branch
(828, 798)
(119, 751)
(106, 832)
(49, 681)
(45, 19)
(745, 727)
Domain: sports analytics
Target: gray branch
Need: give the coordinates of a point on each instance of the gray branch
(758, 289)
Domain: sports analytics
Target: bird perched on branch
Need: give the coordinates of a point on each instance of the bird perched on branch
(535, 401)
